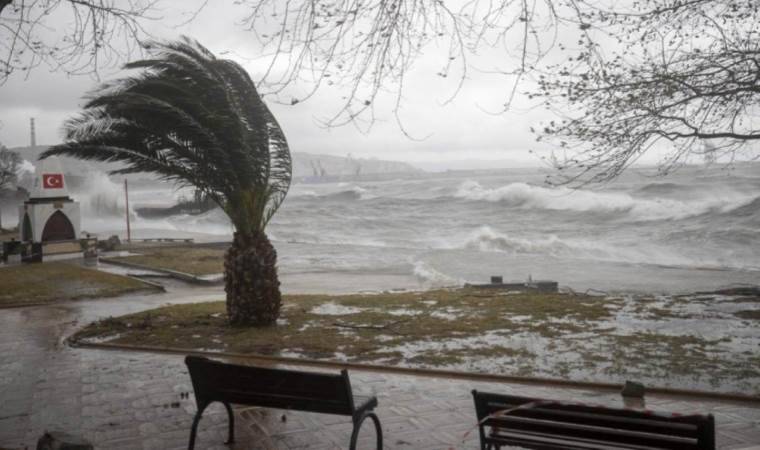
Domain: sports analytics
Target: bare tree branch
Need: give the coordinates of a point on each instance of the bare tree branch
(367, 49)
(76, 37)
(684, 77)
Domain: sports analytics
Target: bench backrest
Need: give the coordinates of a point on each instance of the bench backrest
(599, 425)
(267, 387)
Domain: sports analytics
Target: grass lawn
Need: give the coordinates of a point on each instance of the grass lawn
(186, 258)
(60, 281)
(554, 335)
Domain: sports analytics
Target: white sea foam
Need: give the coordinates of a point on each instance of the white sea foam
(25, 167)
(430, 278)
(404, 312)
(449, 313)
(214, 221)
(101, 197)
(526, 196)
(486, 239)
(302, 193)
(334, 309)
(347, 192)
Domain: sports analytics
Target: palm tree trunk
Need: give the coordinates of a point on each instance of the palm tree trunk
(251, 282)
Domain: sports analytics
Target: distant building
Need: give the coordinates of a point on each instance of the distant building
(50, 214)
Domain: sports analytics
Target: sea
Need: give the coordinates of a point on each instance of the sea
(697, 229)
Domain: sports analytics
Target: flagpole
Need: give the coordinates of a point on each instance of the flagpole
(126, 196)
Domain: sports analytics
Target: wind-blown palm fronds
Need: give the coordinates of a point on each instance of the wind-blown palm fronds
(198, 120)
(195, 120)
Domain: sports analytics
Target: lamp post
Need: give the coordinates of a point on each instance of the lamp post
(126, 197)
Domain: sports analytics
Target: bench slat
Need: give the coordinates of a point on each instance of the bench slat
(602, 420)
(539, 421)
(539, 441)
(610, 436)
(495, 402)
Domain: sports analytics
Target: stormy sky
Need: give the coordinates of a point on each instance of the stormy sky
(458, 134)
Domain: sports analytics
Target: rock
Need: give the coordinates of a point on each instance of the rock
(633, 389)
(57, 440)
(110, 244)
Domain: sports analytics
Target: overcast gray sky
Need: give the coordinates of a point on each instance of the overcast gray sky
(455, 134)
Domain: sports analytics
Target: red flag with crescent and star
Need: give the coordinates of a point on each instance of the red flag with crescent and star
(52, 180)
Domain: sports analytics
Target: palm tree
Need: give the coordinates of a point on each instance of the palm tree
(198, 121)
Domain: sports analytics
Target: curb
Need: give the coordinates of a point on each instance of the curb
(189, 278)
(158, 286)
(24, 305)
(430, 373)
(151, 284)
(223, 244)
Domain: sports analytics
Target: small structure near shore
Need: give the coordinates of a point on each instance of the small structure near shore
(542, 286)
(50, 218)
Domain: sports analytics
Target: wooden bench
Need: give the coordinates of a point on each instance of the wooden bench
(507, 420)
(214, 381)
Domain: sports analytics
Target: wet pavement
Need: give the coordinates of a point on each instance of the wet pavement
(131, 400)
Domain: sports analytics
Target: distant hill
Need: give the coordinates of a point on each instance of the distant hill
(306, 166)
(313, 167)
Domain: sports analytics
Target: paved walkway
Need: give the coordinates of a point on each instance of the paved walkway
(127, 400)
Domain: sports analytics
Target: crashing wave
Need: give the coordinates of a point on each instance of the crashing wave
(352, 193)
(431, 278)
(487, 240)
(526, 196)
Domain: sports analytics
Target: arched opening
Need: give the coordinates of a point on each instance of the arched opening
(58, 228)
(26, 229)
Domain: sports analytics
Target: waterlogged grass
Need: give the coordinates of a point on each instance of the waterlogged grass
(551, 335)
(187, 258)
(59, 281)
(319, 325)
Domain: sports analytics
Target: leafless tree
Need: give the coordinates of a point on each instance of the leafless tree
(367, 48)
(624, 76)
(683, 77)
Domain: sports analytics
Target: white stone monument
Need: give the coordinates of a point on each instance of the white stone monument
(49, 215)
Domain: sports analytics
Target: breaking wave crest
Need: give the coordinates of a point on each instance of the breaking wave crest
(748, 209)
(353, 193)
(526, 196)
(486, 239)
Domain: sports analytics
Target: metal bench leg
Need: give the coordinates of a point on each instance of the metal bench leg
(358, 425)
(231, 420)
(194, 428)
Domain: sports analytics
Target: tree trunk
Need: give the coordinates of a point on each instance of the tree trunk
(250, 276)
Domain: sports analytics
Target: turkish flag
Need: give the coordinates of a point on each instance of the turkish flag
(52, 180)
